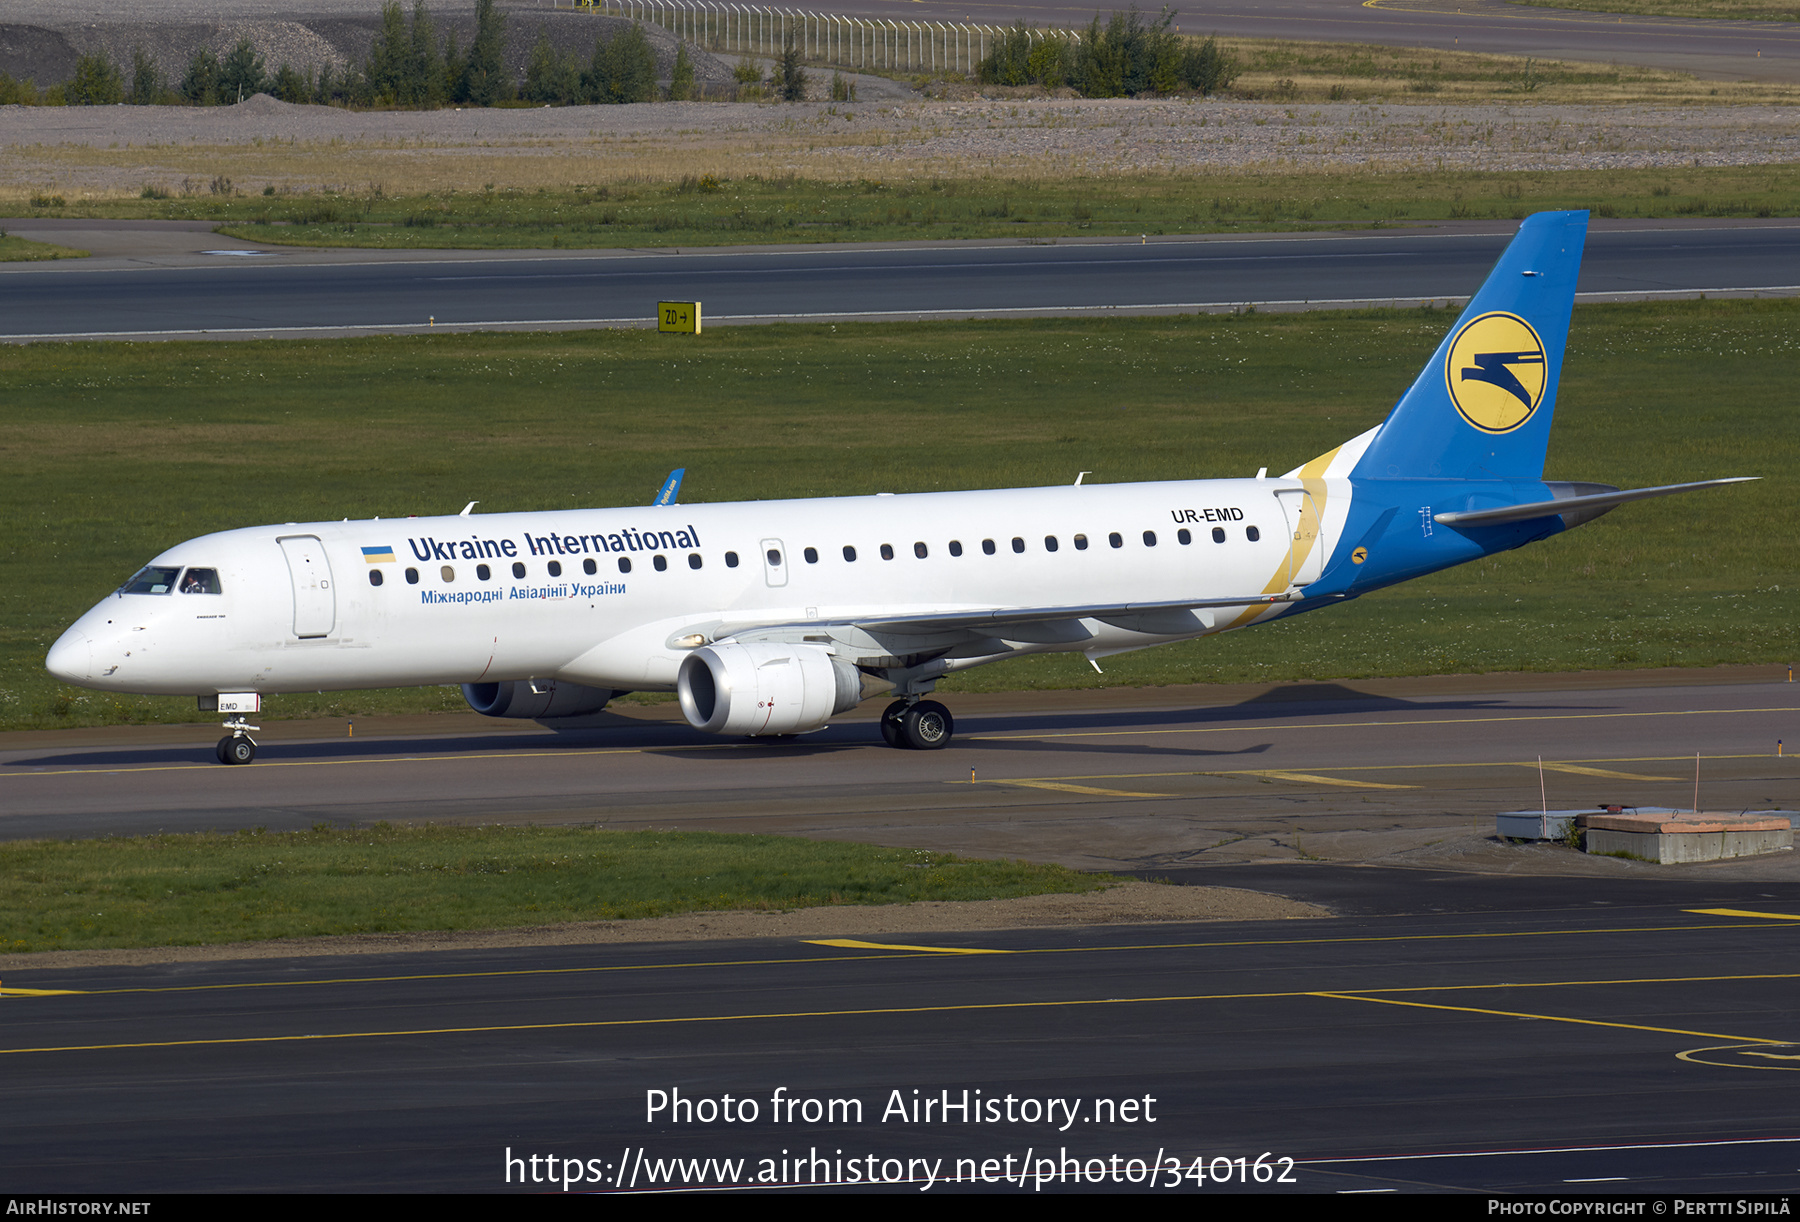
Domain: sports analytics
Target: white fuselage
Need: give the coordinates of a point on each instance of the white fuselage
(295, 607)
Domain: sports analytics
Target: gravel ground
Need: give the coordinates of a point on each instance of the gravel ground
(112, 149)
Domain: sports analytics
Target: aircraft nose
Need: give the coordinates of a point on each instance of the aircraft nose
(71, 659)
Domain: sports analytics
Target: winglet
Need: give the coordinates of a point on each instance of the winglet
(671, 488)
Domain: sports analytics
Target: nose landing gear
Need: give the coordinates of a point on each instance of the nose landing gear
(237, 747)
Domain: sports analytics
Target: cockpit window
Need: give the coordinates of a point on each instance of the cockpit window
(200, 581)
(152, 579)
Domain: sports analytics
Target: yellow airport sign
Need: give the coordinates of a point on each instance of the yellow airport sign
(678, 316)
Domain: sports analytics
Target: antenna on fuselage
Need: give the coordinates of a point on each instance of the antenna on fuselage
(467, 508)
(1082, 475)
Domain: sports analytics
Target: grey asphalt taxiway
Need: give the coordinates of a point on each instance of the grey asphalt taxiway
(1477, 1017)
(1126, 779)
(174, 280)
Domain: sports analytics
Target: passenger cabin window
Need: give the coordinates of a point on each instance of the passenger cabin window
(955, 548)
(155, 579)
(412, 577)
(1218, 534)
(774, 558)
(693, 560)
(624, 564)
(1116, 539)
(1049, 543)
(1018, 544)
(731, 560)
(448, 574)
(483, 572)
(811, 554)
(1185, 536)
(519, 568)
(204, 581)
(556, 568)
(1252, 534)
(921, 551)
(660, 563)
(887, 551)
(1081, 543)
(587, 566)
(374, 577)
(849, 553)
(987, 547)
(1149, 538)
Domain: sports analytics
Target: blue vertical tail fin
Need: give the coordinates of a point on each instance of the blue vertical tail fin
(1483, 405)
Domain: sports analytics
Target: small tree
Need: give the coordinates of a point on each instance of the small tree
(790, 79)
(485, 81)
(424, 66)
(200, 84)
(146, 79)
(540, 71)
(681, 78)
(623, 70)
(389, 53)
(96, 82)
(241, 74)
(290, 86)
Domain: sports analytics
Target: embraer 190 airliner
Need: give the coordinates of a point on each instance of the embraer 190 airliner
(770, 618)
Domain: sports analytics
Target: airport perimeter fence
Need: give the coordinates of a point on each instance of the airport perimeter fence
(875, 43)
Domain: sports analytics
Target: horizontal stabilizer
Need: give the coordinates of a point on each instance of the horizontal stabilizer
(1600, 501)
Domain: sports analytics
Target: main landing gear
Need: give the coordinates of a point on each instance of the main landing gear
(919, 725)
(237, 747)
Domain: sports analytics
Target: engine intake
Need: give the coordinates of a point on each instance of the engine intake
(765, 687)
(535, 698)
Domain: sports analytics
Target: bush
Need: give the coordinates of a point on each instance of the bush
(1024, 58)
(17, 93)
(789, 80)
(96, 82)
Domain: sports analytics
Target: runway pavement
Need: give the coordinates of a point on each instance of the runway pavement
(156, 280)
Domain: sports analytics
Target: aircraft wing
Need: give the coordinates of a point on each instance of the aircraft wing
(994, 622)
(986, 628)
(1598, 501)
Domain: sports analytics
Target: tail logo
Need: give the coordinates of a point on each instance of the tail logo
(1496, 372)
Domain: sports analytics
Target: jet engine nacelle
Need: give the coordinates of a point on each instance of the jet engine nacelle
(535, 698)
(765, 687)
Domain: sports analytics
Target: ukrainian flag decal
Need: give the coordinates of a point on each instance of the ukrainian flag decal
(379, 555)
(1496, 372)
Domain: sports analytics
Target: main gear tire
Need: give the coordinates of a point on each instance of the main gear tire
(927, 726)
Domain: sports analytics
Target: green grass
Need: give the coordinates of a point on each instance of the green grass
(115, 452)
(19, 250)
(183, 890)
(1743, 10)
(759, 210)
